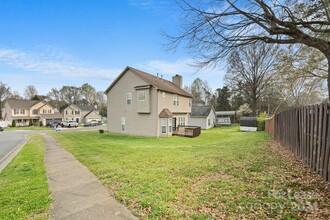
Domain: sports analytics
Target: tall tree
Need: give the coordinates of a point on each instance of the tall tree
(201, 91)
(15, 95)
(301, 75)
(88, 93)
(223, 99)
(250, 68)
(213, 29)
(30, 92)
(71, 94)
(4, 94)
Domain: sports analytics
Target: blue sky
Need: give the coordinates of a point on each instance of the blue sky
(52, 43)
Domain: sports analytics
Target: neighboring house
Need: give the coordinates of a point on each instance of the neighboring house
(23, 110)
(203, 116)
(143, 104)
(81, 113)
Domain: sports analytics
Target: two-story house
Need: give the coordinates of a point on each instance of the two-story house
(81, 113)
(23, 110)
(142, 104)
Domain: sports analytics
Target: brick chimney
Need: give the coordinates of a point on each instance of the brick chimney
(177, 80)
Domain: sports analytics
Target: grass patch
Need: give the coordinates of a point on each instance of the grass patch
(23, 184)
(223, 173)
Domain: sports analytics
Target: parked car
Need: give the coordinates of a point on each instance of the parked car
(52, 124)
(92, 123)
(1, 128)
(69, 124)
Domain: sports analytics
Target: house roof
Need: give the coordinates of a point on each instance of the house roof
(157, 82)
(55, 115)
(165, 113)
(91, 112)
(85, 107)
(200, 110)
(21, 104)
(225, 113)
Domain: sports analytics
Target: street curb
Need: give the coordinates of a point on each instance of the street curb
(10, 156)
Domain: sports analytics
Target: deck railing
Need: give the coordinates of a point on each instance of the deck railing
(187, 131)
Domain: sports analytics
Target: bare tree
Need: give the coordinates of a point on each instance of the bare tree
(4, 94)
(250, 69)
(30, 92)
(212, 29)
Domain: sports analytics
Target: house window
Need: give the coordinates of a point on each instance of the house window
(176, 100)
(163, 124)
(66, 112)
(208, 122)
(170, 125)
(19, 111)
(44, 111)
(77, 112)
(123, 124)
(35, 112)
(128, 98)
(142, 95)
(72, 112)
(164, 94)
(181, 121)
(49, 111)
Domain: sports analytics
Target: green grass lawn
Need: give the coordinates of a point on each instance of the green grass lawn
(23, 184)
(222, 174)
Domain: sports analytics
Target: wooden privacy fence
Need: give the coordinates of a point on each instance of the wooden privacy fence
(305, 131)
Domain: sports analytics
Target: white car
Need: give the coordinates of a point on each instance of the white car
(69, 124)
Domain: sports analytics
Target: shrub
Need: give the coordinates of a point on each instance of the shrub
(41, 124)
(261, 121)
(30, 122)
(13, 123)
(101, 131)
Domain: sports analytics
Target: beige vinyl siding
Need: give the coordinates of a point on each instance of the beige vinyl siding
(135, 122)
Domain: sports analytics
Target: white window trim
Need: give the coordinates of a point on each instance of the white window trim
(145, 96)
(123, 124)
(163, 124)
(128, 97)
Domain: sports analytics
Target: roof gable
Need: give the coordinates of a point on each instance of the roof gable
(21, 104)
(200, 110)
(157, 82)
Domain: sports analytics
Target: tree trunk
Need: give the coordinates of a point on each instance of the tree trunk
(328, 58)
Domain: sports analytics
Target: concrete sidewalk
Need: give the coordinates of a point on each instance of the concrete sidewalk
(78, 194)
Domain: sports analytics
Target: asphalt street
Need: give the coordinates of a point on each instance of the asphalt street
(10, 139)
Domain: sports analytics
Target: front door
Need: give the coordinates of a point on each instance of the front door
(174, 124)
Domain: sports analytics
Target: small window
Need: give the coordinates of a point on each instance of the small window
(176, 100)
(181, 121)
(35, 111)
(49, 111)
(208, 122)
(77, 112)
(123, 124)
(128, 98)
(72, 112)
(44, 111)
(163, 124)
(164, 94)
(170, 125)
(142, 96)
(66, 112)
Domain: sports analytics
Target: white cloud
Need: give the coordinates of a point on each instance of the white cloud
(54, 61)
